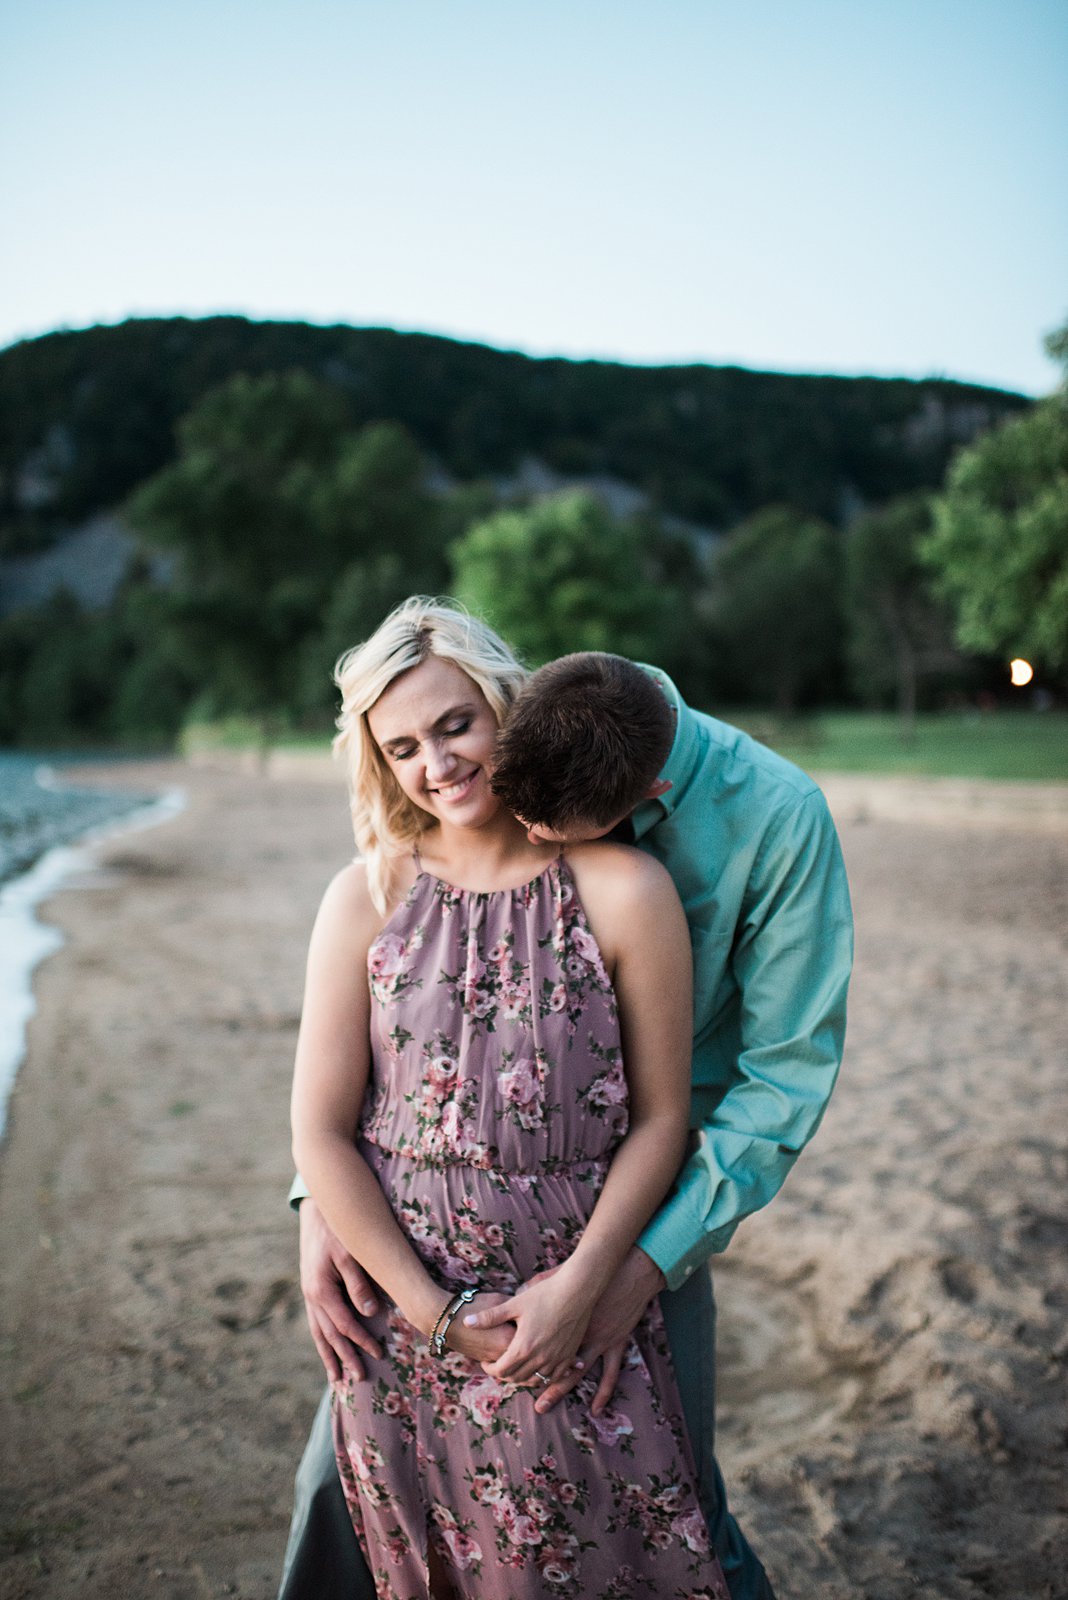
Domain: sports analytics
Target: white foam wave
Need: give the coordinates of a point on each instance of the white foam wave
(25, 942)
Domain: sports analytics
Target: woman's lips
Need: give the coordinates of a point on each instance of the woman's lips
(452, 792)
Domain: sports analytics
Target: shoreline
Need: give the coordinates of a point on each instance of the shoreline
(25, 941)
(41, 809)
(891, 1328)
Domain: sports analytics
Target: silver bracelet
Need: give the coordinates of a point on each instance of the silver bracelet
(442, 1314)
(446, 1319)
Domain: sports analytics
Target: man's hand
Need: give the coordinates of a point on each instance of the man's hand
(332, 1284)
(613, 1320)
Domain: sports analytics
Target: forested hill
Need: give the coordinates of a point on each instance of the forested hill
(87, 416)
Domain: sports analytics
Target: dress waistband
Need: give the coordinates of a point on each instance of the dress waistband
(551, 1167)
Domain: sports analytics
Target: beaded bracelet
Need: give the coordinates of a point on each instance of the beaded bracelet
(446, 1319)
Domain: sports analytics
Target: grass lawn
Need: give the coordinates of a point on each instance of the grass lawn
(1026, 746)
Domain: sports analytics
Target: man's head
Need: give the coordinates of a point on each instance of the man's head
(582, 745)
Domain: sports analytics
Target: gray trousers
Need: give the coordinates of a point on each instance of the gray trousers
(323, 1559)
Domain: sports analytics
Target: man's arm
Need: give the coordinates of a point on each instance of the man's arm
(792, 958)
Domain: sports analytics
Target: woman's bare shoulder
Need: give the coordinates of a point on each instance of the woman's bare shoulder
(349, 888)
(347, 911)
(347, 902)
(619, 878)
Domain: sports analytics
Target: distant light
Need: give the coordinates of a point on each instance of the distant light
(1022, 672)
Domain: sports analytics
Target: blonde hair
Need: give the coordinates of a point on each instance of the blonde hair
(385, 823)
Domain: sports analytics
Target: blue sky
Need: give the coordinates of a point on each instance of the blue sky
(808, 185)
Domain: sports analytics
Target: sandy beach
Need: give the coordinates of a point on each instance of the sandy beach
(893, 1329)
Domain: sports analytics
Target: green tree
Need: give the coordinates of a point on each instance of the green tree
(273, 499)
(564, 574)
(150, 698)
(59, 666)
(999, 548)
(897, 632)
(776, 610)
(19, 634)
(365, 592)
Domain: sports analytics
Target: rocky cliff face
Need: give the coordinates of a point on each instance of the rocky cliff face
(88, 563)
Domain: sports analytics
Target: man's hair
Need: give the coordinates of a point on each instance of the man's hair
(582, 742)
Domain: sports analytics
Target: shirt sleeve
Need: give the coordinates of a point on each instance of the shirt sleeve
(792, 958)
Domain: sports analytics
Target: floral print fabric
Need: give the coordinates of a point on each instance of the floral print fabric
(496, 1100)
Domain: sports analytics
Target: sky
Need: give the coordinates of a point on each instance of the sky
(851, 186)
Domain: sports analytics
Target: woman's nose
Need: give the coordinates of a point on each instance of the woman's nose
(440, 761)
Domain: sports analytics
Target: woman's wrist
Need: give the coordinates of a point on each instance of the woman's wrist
(426, 1308)
(584, 1276)
(439, 1334)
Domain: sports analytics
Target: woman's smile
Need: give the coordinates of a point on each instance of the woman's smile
(458, 789)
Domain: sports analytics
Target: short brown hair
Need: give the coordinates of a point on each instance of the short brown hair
(583, 741)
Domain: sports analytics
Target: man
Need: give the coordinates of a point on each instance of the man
(752, 850)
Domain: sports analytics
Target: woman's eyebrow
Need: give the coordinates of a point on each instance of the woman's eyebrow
(446, 716)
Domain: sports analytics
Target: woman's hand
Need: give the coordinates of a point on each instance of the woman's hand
(550, 1315)
(483, 1344)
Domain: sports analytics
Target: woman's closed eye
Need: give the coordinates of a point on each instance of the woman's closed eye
(453, 731)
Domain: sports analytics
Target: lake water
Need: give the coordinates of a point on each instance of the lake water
(40, 817)
(38, 810)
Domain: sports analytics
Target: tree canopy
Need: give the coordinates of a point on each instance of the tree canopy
(999, 546)
(290, 528)
(776, 607)
(565, 574)
(897, 632)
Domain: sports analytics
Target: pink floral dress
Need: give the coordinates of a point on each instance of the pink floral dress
(496, 1100)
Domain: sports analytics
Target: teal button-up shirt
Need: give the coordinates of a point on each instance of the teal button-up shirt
(749, 841)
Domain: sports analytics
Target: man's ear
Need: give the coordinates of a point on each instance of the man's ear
(655, 790)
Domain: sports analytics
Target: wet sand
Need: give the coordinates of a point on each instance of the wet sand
(893, 1329)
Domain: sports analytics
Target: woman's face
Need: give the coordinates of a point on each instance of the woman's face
(437, 732)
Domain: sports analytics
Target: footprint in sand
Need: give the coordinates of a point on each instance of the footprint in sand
(775, 1388)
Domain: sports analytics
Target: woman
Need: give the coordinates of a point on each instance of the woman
(482, 1127)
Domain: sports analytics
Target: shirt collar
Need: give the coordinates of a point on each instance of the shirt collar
(681, 760)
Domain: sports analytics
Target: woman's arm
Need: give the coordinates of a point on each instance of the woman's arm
(330, 1078)
(638, 920)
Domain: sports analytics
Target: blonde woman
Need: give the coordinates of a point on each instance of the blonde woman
(490, 1102)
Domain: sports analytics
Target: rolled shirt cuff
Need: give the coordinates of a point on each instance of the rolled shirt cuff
(677, 1240)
